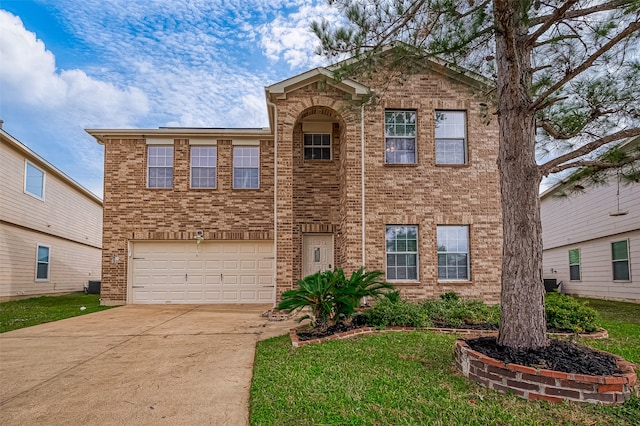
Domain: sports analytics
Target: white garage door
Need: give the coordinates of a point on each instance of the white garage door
(209, 272)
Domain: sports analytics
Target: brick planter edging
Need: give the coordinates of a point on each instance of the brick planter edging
(296, 342)
(546, 385)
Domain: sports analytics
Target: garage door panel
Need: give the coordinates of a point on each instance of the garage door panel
(212, 272)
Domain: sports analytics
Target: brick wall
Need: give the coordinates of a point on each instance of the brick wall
(428, 195)
(132, 211)
(325, 196)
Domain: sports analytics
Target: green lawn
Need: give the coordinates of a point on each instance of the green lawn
(37, 310)
(410, 378)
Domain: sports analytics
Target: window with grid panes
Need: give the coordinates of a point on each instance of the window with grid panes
(246, 167)
(203, 166)
(317, 146)
(451, 137)
(160, 166)
(400, 137)
(453, 252)
(402, 253)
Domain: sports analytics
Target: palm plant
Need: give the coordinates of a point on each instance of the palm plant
(332, 297)
(360, 285)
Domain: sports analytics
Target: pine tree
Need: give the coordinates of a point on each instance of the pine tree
(566, 86)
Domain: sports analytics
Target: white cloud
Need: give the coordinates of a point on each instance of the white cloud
(29, 77)
(196, 63)
(289, 37)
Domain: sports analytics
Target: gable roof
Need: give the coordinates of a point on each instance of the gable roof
(41, 162)
(629, 143)
(280, 90)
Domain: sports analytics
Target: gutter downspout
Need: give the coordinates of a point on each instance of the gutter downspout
(362, 177)
(275, 198)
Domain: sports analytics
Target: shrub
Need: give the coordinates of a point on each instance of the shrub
(450, 310)
(566, 313)
(331, 296)
(396, 312)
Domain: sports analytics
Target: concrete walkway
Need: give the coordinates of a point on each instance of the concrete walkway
(135, 365)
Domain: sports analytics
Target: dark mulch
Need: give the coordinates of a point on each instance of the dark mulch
(559, 355)
(318, 333)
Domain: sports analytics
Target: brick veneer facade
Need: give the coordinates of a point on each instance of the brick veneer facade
(322, 196)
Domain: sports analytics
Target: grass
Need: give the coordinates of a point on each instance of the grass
(410, 378)
(622, 321)
(38, 310)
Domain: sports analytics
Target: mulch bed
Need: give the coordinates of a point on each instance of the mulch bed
(559, 355)
(313, 333)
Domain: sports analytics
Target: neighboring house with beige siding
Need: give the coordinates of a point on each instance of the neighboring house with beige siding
(50, 226)
(408, 186)
(590, 244)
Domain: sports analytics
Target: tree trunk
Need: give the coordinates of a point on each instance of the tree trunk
(522, 324)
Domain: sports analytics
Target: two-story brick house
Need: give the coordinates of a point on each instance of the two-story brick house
(407, 185)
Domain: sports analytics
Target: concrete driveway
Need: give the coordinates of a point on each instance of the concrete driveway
(135, 365)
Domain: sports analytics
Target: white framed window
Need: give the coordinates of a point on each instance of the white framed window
(451, 137)
(203, 166)
(317, 146)
(574, 265)
(159, 166)
(34, 178)
(620, 260)
(246, 167)
(42, 263)
(400, 137)
(402, 252)
(453, 253)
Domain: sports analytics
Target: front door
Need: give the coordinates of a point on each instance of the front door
(317, 253)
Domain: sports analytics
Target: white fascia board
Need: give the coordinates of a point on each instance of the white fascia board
(101, 135)
(317, 74)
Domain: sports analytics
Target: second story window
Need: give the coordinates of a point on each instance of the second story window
(317, 146)
(246, 167)
(451, 137)
(160, 167)
(203, 166)
(400, 137)
(33, 181)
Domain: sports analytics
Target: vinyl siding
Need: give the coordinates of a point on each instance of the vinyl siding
(71, 264)
(65, 211)
(583, 221)
(596, 268)
(68, 221)
(585, 216)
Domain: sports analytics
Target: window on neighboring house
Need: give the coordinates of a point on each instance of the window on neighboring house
(203, 166)
(246, 167)
(402, 253)
(453, 252)
(400, 137)
(620, 259)
(574, 264)
(317, 146)
(160, 167)
(451, 137)
(42, 263)
(33, 180)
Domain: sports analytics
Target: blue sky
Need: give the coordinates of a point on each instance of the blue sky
(67, 65)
